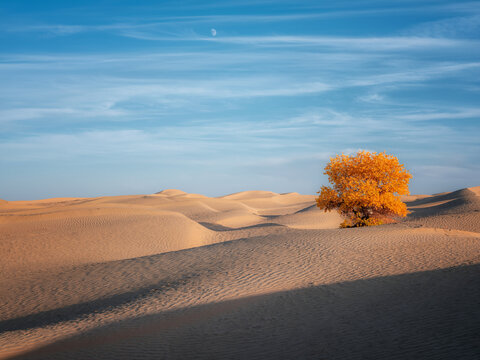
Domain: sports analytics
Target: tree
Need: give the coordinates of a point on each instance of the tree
(365, 188)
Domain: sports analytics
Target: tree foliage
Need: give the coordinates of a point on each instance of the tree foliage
(365, 188)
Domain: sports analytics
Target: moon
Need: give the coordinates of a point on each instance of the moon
(214, 32)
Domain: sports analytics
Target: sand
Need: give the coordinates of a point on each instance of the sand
(251, 275)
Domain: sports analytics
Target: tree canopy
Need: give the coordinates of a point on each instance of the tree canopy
(365, 188)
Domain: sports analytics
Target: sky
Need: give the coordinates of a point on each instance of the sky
(124, 97)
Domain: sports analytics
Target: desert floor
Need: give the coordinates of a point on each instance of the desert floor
(253, 275)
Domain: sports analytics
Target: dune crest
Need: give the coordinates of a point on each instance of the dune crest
(72, 231)
(451, 210)
(246, 195)
(475, 190)
(171, 192)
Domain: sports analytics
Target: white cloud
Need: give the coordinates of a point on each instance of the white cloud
(315, 11)
(371, 98)
(21, 113)
(335, 42)
(464, 26)
(364, 43)
(322, 116)
(417, 75)
(434, 115)
(429, 35)
(110, 98)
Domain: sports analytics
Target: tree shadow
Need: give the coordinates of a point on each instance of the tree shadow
(423, 315)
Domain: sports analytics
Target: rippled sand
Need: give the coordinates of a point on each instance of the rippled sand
(253, 275)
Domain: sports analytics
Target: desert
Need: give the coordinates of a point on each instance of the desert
(240, 179)
(251, 275)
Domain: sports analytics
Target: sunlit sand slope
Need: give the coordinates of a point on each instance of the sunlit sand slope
(456, 210)
(129, 277)
(40, 235)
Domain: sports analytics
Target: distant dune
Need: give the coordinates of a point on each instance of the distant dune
(171, 192)
(245, 195)
(71, 231)
(253, 274)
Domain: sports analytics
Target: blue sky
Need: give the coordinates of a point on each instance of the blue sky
(130, 97)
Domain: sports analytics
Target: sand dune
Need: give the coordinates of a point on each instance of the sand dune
(71, 231)
(131, 277)
(171, 192)
(475, 190)
(246, 195)
(410, 198)
(454, 210)
(307, 218)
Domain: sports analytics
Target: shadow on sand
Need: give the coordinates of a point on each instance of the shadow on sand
(217, 227)
(423, 315)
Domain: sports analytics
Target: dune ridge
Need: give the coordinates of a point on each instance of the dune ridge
(454, 210)
(248, 275)
(72, 231)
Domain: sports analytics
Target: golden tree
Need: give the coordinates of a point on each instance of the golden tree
(366, 188)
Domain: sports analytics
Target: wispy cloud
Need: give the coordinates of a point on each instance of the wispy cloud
(322, 116)
(21, 113)
(371, 98)
(273, 145)
(74, 98)
(110, 97)
(312, 10)
(446, 115)
(277, 88)
(417, 75)
(456, 27)
(357, 43)
(321, 131)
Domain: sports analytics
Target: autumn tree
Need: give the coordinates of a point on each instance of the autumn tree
(365, 188)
